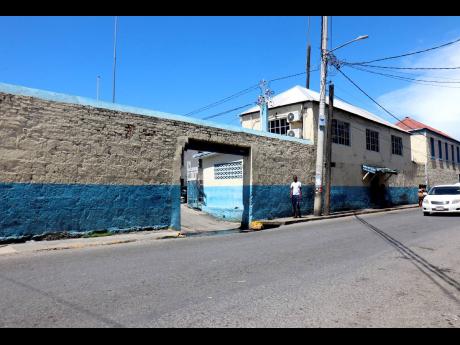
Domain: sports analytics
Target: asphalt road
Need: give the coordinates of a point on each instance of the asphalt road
(397, 269)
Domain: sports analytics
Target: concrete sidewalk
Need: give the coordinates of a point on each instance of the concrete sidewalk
(78, 243)
(197, 222)
(144, 236)
(290, 220)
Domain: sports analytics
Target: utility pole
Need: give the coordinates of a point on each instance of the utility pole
(321, 123)
(114, 57)
(98, 81)
(330, 115)
(308, 55)
(263, 101)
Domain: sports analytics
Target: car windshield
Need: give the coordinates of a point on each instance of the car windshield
(445, 191)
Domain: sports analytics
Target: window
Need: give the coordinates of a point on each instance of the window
(458, 155)
(447, 151)
(279, 126)
(433, 154)
(340, 132)
(372, 140)
(227, 171)
(396, 145)
(440, 149)
(453, 153)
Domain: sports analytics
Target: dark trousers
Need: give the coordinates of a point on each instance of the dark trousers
(295, 199)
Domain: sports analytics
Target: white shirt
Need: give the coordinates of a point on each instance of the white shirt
(295, 186)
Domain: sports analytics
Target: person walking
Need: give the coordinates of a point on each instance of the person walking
(421, 195)
(296, 196)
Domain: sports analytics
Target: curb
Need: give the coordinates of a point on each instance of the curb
(272, 223)
(46, 247)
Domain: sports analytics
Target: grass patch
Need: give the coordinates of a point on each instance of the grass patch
(102, 233)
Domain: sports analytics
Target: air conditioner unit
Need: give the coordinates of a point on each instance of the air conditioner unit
(296, 133)
(294, 117)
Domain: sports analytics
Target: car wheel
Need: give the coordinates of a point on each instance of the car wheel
(426, 214)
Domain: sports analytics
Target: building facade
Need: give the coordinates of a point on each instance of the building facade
(371, 158)
(436, 152)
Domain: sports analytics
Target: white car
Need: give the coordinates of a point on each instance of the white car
(442, 199)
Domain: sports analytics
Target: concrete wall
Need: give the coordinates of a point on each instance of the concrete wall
(73, 164)
(222, 198)
(349, 191)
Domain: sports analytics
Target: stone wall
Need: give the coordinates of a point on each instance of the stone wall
(71, 164)
(442, 172)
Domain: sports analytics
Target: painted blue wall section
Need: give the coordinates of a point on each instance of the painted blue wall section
(224, 202)
(355, 198)
(35, 209)
(270, 202)
(402, 195)
(350, 198)
(70, 99)
(194, 192)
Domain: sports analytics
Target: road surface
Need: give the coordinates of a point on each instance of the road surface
(397, 269)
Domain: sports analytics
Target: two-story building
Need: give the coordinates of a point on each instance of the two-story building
(437, 152)
(371, 158)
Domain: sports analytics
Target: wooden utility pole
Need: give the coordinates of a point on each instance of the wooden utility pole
(327, 197)
(318, 205)
(308, 55)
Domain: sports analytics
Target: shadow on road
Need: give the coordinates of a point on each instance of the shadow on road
(445, 215)
(422, 264)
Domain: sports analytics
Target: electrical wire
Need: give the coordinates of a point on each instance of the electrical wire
(405, 68)
(407, 54)
(372, 99)
(227, 111)
(243, 92)
(413, 80)
(223, 100)
(427, 155)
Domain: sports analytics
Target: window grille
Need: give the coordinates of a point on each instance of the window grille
(372, 140)
(396, 145)
(279, 126)
(340, 132)
(227, 171)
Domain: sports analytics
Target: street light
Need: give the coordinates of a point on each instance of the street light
(363, 37)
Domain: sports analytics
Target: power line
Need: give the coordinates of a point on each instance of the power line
(372, 99)
(227, 111)
(223, 100)
(416, 80)
(293, 75)
(407, 54)
(410, 73)
(241, 93)
(404, 68)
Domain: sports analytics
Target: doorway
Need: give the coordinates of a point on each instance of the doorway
(214, 192)
(378, 192)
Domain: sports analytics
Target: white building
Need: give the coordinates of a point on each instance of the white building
(368, 152)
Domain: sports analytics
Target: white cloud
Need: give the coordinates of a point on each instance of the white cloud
(438, 107)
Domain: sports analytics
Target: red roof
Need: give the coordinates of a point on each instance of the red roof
(411, 125)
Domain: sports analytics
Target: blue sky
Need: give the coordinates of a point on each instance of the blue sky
(179, 64)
